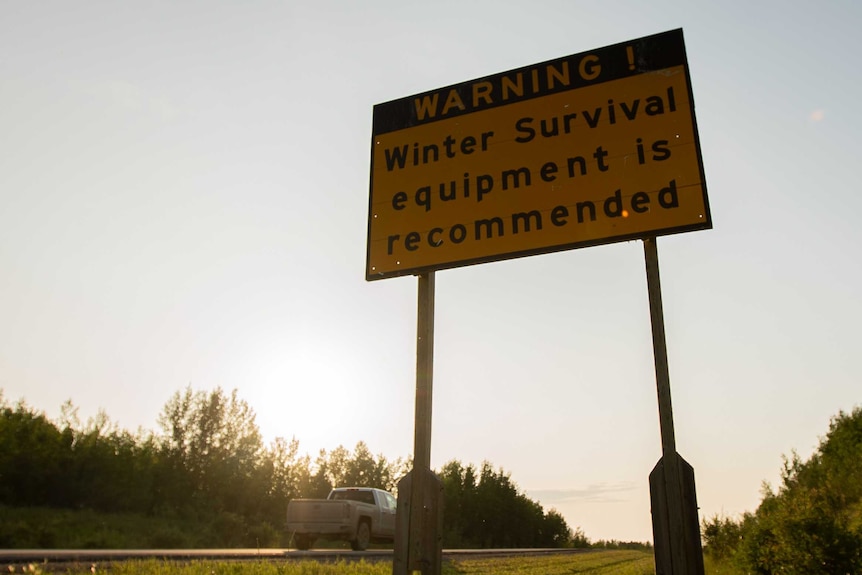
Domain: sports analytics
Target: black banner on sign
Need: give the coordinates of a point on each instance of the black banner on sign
(648, 54)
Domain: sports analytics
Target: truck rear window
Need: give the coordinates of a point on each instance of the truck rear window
(361, 496)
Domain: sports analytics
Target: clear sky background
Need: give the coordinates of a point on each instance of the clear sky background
(183, 201)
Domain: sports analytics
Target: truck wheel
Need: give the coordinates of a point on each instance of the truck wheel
(304, 542)
(363, 537)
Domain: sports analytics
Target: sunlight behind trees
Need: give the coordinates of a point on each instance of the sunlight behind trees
(208, 466)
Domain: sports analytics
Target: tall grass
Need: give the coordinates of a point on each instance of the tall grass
(715, 566)
(161, 567)
(46, 528)
(594, 563)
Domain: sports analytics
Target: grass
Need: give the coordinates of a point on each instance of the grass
(716, 567)
(50, 528)
(47, 528)
(594, 563)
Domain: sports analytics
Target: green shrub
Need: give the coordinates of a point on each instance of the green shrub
(262, 535)
(170, 537)
(812, 524)
(229, 530)
(721, 537)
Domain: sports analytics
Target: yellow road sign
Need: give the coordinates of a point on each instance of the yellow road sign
(588, 149)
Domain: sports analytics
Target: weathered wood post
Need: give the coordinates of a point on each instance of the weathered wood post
(418, 535)
(675, 524)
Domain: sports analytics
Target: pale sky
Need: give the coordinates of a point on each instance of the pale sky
(184, 201)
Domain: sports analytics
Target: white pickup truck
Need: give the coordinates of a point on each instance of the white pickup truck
(360, 515)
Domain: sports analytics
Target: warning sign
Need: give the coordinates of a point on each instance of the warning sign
(589, 149)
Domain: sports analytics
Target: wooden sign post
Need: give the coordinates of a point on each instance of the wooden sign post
(675, 525)
(418, 534)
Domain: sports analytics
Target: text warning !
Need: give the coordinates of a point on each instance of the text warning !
(588, 149)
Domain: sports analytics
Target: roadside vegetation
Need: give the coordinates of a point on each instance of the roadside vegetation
(594, 563)
(206, 479)
(810, 525)
(627, 562)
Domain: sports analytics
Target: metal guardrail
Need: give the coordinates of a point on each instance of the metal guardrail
(89, 556)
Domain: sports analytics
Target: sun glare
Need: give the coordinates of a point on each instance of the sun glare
(305, 390)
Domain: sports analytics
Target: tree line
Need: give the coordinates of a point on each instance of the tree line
(208, 466)
(812, 523)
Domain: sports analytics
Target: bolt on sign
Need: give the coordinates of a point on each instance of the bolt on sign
(588, 149)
